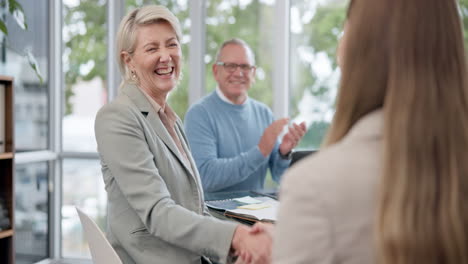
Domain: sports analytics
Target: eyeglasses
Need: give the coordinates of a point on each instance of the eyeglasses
(232, 67)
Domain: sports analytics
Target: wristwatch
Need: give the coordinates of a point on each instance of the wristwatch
(288, 155)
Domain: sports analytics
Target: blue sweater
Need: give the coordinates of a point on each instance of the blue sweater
(224, 138)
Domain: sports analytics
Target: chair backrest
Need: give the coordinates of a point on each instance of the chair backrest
(101, 250)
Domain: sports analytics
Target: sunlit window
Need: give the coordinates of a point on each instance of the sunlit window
(84, 58)
(84, 66)
(84, 188)
(31, 212)
(31, 95)
(315, 27)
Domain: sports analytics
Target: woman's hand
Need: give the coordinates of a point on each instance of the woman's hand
(263, 227)
(252, 246)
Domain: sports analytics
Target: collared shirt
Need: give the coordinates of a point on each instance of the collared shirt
(172, 119)
(166, 109)
(225, 99)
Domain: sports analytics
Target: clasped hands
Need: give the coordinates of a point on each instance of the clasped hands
(253, 245)
(290, 139)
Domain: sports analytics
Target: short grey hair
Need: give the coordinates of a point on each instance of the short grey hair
(126, 35)
(240, 42)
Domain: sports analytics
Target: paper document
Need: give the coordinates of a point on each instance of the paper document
(247, 200)
(267, 213)
(257, 206)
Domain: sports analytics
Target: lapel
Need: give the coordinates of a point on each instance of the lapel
(144, 106)
(185, 145)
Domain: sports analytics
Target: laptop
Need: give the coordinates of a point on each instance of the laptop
(300, 154)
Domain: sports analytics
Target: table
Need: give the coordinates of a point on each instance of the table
(272, 193)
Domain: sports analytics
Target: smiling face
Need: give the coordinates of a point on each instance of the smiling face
(234, 85)
(156, 60)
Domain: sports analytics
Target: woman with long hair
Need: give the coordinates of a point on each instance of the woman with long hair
(390, 184)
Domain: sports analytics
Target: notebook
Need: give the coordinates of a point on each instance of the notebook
(233, 203)
(249, 209)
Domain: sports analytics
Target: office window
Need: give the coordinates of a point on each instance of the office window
(315, 27)
(31, 212)
(84, 65)
(83, 187)
(464, 14)
(178, 98)
(252, 21)
(31, 96)
(31, 127)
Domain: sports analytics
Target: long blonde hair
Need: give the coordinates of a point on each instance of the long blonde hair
(407, 57)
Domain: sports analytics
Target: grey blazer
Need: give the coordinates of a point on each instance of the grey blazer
(156, 211)
(327, 208)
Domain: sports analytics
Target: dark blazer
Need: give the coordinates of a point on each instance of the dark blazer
(156, 211)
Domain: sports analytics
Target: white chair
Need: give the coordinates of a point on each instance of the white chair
(101, 250)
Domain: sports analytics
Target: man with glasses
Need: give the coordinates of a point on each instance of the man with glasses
(234, 138)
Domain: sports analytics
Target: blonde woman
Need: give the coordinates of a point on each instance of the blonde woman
(156, 211)
(390, 184)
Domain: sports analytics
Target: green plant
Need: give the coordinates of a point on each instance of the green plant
(16, 11)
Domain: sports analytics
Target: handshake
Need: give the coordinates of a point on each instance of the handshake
(253, 244)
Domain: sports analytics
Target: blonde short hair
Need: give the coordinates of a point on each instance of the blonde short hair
(126, 35)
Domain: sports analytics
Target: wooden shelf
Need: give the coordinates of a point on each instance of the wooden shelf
(6, 233)
(7, 168)
(6, 155)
